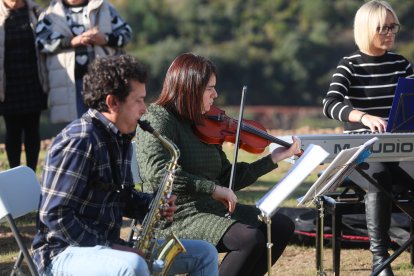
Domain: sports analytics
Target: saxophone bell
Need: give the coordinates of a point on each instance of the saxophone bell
(167, 253)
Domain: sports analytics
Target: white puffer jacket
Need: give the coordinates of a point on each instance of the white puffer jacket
(61, 66)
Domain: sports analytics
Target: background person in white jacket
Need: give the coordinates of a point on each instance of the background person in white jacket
(73, 33)
(23, 80)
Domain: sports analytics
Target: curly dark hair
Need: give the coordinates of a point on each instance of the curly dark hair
(111, 76)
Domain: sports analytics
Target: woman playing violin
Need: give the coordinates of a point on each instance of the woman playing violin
(204, 172)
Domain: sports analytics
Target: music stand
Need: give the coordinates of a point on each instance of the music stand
(401, 118)
(343, 164)
(269, 203)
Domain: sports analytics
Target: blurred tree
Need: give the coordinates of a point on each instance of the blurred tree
(284, 50)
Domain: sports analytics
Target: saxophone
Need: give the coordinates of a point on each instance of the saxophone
(159, 257)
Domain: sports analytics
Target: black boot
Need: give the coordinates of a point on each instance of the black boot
(378, 215)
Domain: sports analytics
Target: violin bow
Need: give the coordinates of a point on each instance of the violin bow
(237, 142)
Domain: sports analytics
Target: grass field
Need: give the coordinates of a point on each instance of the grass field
(296, 260)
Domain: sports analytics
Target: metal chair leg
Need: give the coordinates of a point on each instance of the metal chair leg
(16, 270)
(22, 246)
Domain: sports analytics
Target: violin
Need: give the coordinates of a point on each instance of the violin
(217, 127)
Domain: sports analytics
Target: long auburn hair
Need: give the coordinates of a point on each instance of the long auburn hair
(184, 85)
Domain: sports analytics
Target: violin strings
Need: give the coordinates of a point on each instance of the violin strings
(255, 130)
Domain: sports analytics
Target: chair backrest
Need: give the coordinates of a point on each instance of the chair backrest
(134, 164)
(19, 192)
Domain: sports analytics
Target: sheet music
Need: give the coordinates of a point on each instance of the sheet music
(310, 159)
(401, 116)
(335, 173)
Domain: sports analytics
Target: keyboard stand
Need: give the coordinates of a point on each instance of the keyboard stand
(397, 253)
(337, 205)
(408, 208)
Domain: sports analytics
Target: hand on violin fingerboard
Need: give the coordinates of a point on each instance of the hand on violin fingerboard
(282, 153)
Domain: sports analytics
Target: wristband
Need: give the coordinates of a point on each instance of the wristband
(362, 116)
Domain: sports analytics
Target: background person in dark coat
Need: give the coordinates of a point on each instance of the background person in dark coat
(23, 80)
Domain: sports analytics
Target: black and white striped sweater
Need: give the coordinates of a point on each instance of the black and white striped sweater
(366, 83)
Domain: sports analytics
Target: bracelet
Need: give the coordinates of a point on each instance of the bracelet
(362, 116)
(214, 188)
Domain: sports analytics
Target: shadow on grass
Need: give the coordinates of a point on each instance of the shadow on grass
(9, 248)
(7, 267)
(9, 251)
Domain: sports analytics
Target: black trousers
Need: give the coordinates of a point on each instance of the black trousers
(246, 246)
(23, 128)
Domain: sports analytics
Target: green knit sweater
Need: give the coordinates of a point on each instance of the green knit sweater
(198, 215)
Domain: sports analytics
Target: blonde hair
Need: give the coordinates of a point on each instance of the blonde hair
(368, 17)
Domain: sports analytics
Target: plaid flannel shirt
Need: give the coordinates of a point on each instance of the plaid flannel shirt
(83, 188)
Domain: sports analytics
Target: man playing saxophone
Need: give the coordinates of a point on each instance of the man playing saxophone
(87, 185)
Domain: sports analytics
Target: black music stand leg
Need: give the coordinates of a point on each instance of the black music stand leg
(336, 240)
(412, 244)
(319, 234)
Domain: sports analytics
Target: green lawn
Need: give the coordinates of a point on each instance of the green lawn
(296, 260)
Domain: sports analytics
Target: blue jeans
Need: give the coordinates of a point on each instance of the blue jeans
(201, 259)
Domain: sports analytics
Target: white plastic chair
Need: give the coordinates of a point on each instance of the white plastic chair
(19, 195)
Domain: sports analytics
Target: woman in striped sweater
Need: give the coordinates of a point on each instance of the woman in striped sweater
(360, 95)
